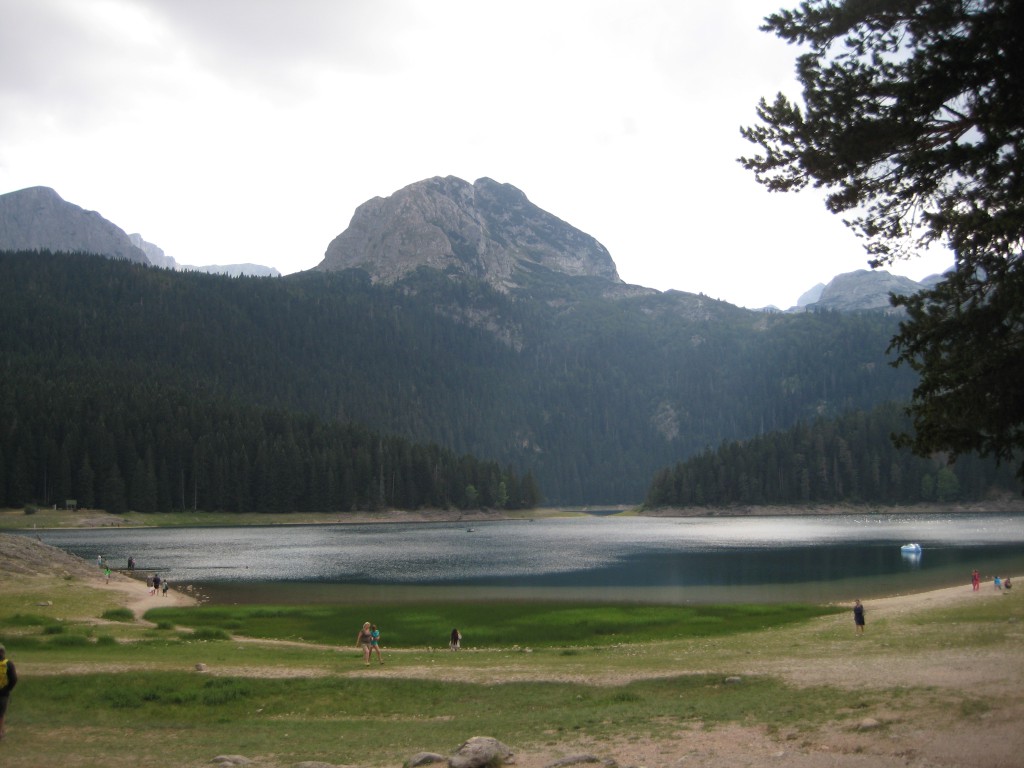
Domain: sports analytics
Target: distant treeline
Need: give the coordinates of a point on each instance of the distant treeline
(133, 444)
(851, 458)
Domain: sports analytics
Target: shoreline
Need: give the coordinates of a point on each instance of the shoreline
(50, 519)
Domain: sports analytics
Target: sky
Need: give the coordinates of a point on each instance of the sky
(232, 131)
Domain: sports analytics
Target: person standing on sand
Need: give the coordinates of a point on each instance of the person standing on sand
(976, 580)
(365, 639)
(8, 679)
(375, 641)
(858, 616)
(455, 642)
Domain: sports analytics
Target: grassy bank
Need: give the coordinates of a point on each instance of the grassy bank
(90, 691)
(114, 692)
(494, 625)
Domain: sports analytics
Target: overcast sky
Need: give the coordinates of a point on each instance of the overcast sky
(228, 131)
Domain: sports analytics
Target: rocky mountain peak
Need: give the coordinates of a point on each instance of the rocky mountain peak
(864, 289)
(486, 230)
(38, 219)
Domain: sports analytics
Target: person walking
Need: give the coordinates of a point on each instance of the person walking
(375, 641)
(8, 679)
(858, 616)
(365, 639)
(975, 580)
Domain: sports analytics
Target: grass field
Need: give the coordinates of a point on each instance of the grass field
(117, 683)
(533, 674)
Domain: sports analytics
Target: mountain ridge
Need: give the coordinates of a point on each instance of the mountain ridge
(38, 219)
(486, 230)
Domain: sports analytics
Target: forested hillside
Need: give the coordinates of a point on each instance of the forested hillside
(585, 394)
(846, 459)
(131, 443)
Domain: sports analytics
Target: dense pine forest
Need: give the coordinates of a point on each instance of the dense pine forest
(847, 459)
(140, 445)
(579, 396)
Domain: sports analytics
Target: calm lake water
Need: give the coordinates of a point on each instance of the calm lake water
(673, 560)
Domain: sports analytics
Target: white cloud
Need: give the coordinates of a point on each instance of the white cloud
(249, 130)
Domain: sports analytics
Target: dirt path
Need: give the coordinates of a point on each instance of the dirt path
(141, 600)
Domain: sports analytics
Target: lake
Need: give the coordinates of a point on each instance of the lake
(670, 560)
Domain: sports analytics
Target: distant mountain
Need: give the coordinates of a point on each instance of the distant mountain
(154, 253)
(485, 230)
(864, 289)
(38, 219)
(810, 296)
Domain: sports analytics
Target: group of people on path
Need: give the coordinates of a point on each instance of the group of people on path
(156, 584)
(1001, 585)
(369, 639)
(998, 583)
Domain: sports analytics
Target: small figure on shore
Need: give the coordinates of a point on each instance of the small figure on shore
(1007, 584)
(164, 586)
(131, 563)
(997, 583)
(858, 616)
(975, 579)
(375, 641)
(106, 571)
(149, 583)
(8, 679)
(455, 642)
(99, 561)
(156, 583)
(365, 639)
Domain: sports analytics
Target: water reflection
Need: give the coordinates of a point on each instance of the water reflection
(667, 559)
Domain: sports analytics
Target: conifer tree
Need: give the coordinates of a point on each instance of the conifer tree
(912, 122)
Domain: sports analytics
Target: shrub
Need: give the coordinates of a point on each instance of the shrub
(70, 641)
(119, 614)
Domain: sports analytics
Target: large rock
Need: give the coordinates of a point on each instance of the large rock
(481, 752)
(38, 219)
(485, 230)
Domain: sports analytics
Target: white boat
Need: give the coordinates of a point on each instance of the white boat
(911, 549)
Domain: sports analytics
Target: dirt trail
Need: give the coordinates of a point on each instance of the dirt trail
(141, 600)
